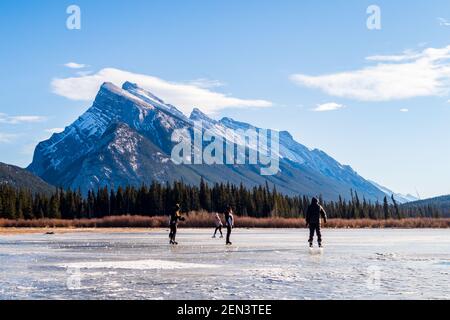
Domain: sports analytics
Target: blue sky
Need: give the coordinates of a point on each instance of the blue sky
(270, 63)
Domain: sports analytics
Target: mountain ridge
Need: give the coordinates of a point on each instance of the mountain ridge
(89, 154)
(20, 178)
(441, 202)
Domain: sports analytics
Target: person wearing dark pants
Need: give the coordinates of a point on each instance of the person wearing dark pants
(173, 233)
(175, 216)
(313, 220)
(229, 222)
(315, 228)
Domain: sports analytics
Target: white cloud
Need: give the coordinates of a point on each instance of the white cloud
(443, 22)
(54, 130)
(7, 137)
(74, 65)
(4, 118)
(405, 56)
(394, 77)
(206, 83)
(404, 110)
(184, 96)
(28, 149)
(331, 106)
(83, 73)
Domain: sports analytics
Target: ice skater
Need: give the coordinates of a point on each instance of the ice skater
(175, 216)
(313, 219)
(219, 226)
(229, 223)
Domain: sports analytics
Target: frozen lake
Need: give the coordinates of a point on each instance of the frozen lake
(262, 264)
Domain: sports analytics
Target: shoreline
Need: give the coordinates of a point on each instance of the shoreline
(141, 224)
(54, 231)
(62, 231)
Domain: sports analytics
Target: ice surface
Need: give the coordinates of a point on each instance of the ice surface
(261, 264)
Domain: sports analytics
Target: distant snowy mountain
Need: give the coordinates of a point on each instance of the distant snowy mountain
(401, 198)
(125, 138)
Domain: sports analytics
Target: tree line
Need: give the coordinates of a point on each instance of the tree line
(159, 199)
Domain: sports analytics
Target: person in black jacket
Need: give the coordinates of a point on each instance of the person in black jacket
(175, 216)
(313, 216)
(229, 222)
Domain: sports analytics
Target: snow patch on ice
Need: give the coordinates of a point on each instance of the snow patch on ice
(137, 265)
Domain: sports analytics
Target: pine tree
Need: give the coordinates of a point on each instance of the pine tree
(397, 211)
(386, 210)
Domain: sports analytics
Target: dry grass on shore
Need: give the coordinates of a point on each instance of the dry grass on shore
(205, 220)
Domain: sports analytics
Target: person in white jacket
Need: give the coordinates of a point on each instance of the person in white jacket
(219, 226)
(229, 223)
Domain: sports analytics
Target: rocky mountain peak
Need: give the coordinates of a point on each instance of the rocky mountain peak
(125, 138)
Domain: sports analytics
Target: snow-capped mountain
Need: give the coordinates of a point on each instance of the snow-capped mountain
(401, 198)
(125, 138)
